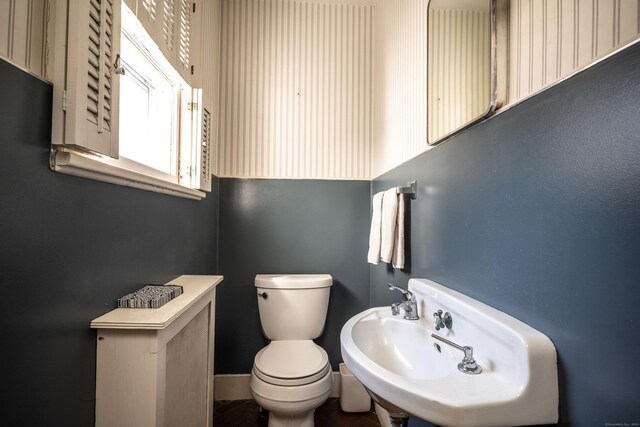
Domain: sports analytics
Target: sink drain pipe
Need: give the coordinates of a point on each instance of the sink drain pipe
(398, 421)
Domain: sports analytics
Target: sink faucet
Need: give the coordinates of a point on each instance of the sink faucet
(408, 304)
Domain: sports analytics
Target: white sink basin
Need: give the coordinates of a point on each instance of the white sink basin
(397, 361)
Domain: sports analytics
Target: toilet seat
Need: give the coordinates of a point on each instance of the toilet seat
(291, 363)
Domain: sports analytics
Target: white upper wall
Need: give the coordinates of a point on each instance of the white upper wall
(296, 89)
(321, 89)
(336, 89)
(23, 29)
(400, 76)
(549, 40)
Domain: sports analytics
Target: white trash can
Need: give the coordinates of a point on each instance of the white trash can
(353, 396)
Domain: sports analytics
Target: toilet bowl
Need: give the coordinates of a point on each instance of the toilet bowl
(292, 376)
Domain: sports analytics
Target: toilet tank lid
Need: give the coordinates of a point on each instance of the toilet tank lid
(293, 281)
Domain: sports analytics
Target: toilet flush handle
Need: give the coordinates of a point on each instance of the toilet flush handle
(263, 295)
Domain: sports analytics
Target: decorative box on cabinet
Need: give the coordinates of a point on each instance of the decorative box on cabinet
(154, 367)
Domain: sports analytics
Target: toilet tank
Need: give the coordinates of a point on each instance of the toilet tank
(293, 306)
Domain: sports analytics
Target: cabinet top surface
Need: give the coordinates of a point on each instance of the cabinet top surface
(194, 288)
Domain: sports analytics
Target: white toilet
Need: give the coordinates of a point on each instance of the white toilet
(292, 376)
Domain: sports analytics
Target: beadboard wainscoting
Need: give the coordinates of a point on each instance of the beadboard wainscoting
(551, 39)
(23, 34)
(400, 70)
(296, 89)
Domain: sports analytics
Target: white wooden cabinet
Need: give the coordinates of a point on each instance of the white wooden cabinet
(154, 367)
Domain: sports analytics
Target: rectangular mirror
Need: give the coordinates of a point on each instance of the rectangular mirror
(464, 53)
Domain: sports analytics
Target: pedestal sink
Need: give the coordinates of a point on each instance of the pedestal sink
(409, 372)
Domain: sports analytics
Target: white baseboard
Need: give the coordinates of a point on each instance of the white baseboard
(236, 386)
(232, 387)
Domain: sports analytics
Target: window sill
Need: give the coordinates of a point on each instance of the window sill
(118, 171)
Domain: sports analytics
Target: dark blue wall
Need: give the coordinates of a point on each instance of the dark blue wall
(288, 226)
(537, 212)
(69, 247)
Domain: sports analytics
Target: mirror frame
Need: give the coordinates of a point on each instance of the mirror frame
(498, 68)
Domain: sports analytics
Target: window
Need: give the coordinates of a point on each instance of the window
(149, 101)
(124, 108)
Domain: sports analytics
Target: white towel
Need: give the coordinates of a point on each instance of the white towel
(374, 236)
(389, 216)
(398, 251)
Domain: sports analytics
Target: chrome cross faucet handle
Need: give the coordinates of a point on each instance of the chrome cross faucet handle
(408, 304)
(442, 321)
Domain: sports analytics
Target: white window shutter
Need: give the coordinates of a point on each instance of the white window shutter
(168, 28)
(149, 13)
(184, 38)
(195, 123)
(169, 23)
(92, 88)
(204, 152)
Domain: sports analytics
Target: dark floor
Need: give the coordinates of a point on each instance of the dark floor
(241, 413)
